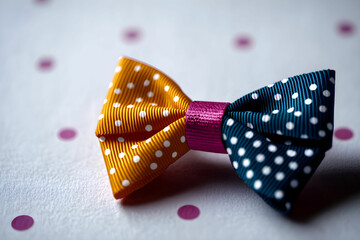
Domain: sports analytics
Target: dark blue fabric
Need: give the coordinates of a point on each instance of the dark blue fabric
(277, 136)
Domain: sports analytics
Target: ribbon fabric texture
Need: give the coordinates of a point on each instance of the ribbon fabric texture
(275, 136)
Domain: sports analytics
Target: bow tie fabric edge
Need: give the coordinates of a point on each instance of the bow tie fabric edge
(275, 136)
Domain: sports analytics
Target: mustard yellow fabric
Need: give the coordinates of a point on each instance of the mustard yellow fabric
(141, 127)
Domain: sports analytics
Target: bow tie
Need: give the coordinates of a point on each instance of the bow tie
(275, 136)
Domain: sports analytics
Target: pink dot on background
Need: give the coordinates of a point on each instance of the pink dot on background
(46, 64)
(346, 28)
(22, 222)
(243, 42)
(132, 35)
(188, 212)
(67, 133)
(343, 133)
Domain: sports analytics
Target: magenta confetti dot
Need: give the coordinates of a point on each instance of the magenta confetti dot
(132, 35)
(343, 133)
(67, 134)
(22, 222)
(243, 42)
(46, 64)
(188, 212)
(346, 28)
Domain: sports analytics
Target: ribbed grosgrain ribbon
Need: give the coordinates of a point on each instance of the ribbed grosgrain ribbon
(203, 126)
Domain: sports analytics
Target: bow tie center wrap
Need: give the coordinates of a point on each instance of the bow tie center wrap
(275, 136)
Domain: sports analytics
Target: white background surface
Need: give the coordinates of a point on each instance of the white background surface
(64, 186)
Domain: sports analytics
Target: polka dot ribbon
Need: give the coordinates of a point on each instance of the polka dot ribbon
(275, 136)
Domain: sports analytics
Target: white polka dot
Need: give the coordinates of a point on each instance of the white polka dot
(233, 140)
(174, 154)
(322, 133)
(153, 166)
(105, 100)
(279, 176)
(257, 144)
(249, 134)
(241, 152)
(125, 183)
(297, 113)
(289, 125)
(121, 139)
(313, 87)
(182, 139)
(287, 142)
(150, 94)
(288, 205)
(158, 153)
(249, 174)
(167, 128)
(146, 83)
(295, 95)
(117, 91)
(291, 153)
(265, 118)
(266, 170)
(176, 98)
(110, 84)
(285, 80)
(117, 69)
(332, 80)
(246, 162)
(249, 125)
(257, 184)
(294, 183)
(313, 120)
(230, 122)
(153, 104)
(279, 160)
(224, 136)
(326, 93)
(142, 114)
(272, 148)
(137, 68)
(136, 159)
(254, 96)
(308, 152)
(102, 139)
(148, 140)
(148, 128)
(166, 113)
(290, 110)
(279, 194)
(307, 169)
(166, 143)
(166, 88)
(156, 76)
(116, 104)
(112, 171)
(229, 151)
(118, 123)
(101, 116)
(134, 146)
(303, 136)
(277, 97)
(329, 126)
(260, 157)
(107, 152)
(308, 101)
(276, 111)
(293, 165)
(270, 85)
(130, 85)
(235, 164)
(322, 108)
(121, 155)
